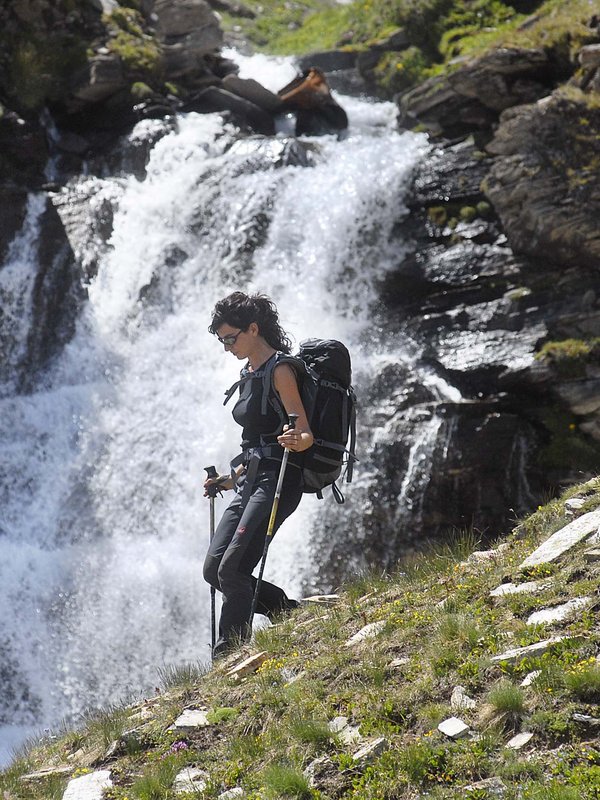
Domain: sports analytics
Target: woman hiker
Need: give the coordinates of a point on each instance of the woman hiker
(248, 327)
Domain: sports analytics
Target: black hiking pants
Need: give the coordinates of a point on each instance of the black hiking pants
(237, 548)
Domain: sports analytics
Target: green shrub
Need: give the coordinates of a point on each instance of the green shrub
(281, 780)
(583, 680)
(570, 356)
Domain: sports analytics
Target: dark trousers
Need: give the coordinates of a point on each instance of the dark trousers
(237, 548)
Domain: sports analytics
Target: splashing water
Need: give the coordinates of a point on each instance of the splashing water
(103, 524)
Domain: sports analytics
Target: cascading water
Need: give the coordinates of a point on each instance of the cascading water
(103, 526)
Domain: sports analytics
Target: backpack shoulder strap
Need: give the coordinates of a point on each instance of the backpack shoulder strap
(245, 375)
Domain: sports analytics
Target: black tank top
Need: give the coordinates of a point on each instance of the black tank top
(258, 429)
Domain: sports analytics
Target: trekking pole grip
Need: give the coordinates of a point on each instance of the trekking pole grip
(292, 420)
(211, 472)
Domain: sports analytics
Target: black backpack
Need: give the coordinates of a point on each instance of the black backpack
(324, 373)
(330, 405)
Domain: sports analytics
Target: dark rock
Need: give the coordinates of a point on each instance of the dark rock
(102, 77)
(189, 30)
(13, 205)
(398, 40)
(57, 297)
(452, 174)
(23, 151)
(329, 60)
(48, 301)
(544, 181)
(254, 92)
(474, 93)
(309, 97)
(438, 106)
(243, 111)
(348, 82)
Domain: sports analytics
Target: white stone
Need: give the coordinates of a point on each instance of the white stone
(248, 665)
(460, 699)
(190, 779)
(530, 587)
(368, 632)
(231, 794)
(88, 787)
(574, 503)
(46, 772)
(346, 732)
(453, 727)
(594, 539)
(192, 718)
(518, 653)
(558, 613)
(592, 555)
(530, 677)
(520, 740)
(316, 768)
(564, 539)
(321, 599)
(586, 719)
(398, 662)
(487, 555)
(371, 750)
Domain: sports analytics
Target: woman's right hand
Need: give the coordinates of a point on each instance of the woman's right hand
(223, 482)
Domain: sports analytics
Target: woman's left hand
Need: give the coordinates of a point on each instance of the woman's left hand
(294, 439)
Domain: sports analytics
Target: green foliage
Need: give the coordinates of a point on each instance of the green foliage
(157, 781)
(441, 629)
(506, 698)
(107, 724)
(40, 68)
(310, 730)
(423, 761)
(566, 447)
(282, 780)
(224, 714)
(181, 675)
(583, 680)
(139, 51)
(570, 356)
(296, 27)
(398, 71)
(438, 215)
(141, 91)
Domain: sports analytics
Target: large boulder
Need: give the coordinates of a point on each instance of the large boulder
(189, 30)
(473, 93)
(544, 180)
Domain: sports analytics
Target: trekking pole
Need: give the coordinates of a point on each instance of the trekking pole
(211, 472)
(293, 418)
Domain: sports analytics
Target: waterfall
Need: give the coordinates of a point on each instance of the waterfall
(103, 527)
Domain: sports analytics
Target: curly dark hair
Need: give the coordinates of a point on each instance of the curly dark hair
(239, 310)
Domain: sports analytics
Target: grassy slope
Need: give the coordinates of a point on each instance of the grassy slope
(439, 617)
(439, 30)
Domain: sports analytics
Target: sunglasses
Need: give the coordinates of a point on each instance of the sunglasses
(230, 339)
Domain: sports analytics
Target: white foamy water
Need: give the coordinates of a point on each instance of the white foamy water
(103, 523)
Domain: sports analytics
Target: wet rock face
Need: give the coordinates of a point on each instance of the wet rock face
(41, 296)
(480, 428)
